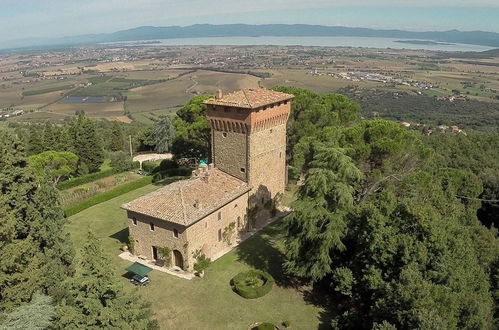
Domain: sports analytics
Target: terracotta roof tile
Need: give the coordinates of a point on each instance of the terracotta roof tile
(185, 202)
(250, 98)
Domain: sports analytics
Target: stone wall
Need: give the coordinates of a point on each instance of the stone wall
(162, 236)
(203, 235)
(229, 153)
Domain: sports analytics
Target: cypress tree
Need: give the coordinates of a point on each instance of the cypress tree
(87, 144)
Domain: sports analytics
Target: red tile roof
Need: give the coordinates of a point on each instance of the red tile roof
(187, 201)
(250, 98)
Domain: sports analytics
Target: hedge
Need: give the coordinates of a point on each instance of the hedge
(264, 326)
(241, 284)
(85, 179)
(94, 200)
(181, 171)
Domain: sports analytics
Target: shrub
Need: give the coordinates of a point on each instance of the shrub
(181, 171)
(131, 243)
(286, 323)
(264, 326)
(166, 164)
(252, 284)
(150, 167)
(121, 161)
(202, 262)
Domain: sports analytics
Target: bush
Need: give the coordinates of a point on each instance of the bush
(202, 262)
(181, 171)
(166, 164)
(264, 326)
(286, 323)
(121, 161)
(97, 199)
(252, 284)
(86, 179)
(150, 167)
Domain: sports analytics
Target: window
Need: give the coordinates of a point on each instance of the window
(224, 134)
(214, 108)
(134, 221)
(226, 109)
(243, 170)
(206, 224)
(235, 205)
(238, 222)
(280, 154)
(219, 215)
(175, 233)
(220, 235)
(271, 130)
(151, 226)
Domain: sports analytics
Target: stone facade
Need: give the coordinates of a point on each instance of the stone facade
(201, 236)
(249, 169)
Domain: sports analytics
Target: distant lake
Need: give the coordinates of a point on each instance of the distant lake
(84, 99)
(310, 41)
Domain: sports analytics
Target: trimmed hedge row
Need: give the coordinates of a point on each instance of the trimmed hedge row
(94, 200)
(86, 179)
(244, 284)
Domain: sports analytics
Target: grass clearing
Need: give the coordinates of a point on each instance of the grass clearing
(207, 303)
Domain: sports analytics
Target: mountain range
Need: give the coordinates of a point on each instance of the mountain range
(244, 30)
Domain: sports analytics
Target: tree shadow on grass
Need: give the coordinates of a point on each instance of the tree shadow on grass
(121, 236)
(262, 252)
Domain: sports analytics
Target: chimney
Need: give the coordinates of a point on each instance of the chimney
(219, 94)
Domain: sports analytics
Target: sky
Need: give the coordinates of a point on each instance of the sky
(21, 19)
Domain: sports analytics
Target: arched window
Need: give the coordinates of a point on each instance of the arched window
(151, 226)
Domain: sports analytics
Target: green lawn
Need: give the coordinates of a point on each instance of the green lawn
(205, 303)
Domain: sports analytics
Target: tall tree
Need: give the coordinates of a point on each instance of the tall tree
(53, 164)
(193, 128)
(96, 297)
(35, 252)
(87, 144)
(383, 228)
(164, 135)
(116, 139)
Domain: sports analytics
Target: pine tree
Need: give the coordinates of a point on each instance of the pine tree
(35, 253)
(87, 144)
(38, 314)
(97, 299)
(116, 139)
(164, 135)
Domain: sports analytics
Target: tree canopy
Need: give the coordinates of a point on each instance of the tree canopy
(53, 164)
(382, 227)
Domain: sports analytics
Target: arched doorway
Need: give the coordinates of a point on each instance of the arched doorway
(178, 259)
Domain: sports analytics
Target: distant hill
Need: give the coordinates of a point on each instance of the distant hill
(243, 30)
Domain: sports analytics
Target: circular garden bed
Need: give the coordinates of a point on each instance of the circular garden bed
(252, 284)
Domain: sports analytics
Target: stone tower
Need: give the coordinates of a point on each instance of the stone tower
(248, 138)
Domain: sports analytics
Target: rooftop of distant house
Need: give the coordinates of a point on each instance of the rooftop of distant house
(187, 201)
(249, 98)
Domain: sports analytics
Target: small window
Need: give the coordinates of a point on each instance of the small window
(238, 222)
(271, 130)
(280, 154)
(206, 224)
(243, 170)
(175, 233)
(224, 134)
(134, 221)
(235, 205)
(151, 226)
(219, 215)
(220, 235)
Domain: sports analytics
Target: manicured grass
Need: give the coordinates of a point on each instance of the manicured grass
(97, 199)
(207, 303)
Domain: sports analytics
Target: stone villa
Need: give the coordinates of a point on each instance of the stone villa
(226, 198)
